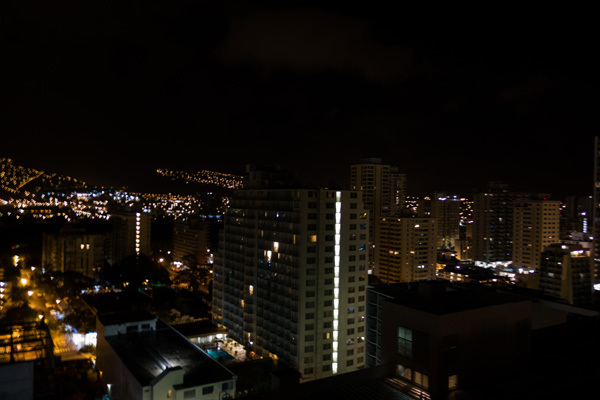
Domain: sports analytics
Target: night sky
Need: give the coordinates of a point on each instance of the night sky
(108, 91)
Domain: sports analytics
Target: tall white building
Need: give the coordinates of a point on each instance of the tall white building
(291, 276)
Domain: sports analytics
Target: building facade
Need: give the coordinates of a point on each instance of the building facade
(406, 250)
(441, 337)
(290, 277)
(566, 272)
(446, 209)
(493, 223)
(536, 225)
(191, 242)
(74, 250)
(596, 209)
(131, 230)
(383, 190)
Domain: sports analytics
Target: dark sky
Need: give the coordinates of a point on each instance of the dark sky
(108, 91)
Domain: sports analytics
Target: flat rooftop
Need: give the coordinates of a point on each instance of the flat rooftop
(442, 297)
(149, 354)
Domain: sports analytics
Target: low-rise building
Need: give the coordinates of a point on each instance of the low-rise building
(142, 357)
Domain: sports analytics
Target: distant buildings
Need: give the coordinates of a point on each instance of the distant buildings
(191, 241)
(130, 234)
(74, 249)
(383, 191)
(141, 357)
(87, 248)
(291, 275)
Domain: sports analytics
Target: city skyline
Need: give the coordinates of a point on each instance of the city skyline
(108, 94)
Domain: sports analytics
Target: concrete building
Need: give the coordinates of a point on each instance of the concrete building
(493, 222)
(406, 250)
(536, 225)
(577, 216)
(130, 234)
(464, 248)
(440, 337)
(383, 190)
(446, 209)
(291, 274)
(596, 209)
(141, 357)
(191, 241)
(26, 361)
(74, 250)
(566, 272)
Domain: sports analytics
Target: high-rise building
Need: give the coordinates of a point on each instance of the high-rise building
(493, 222)
(536, 225)
(130, 234)
(383, 190)
(74, 250)
(446, 209)
(596, 209)
(566, 271)
(291, 275)
(577, 216)
(406, 250)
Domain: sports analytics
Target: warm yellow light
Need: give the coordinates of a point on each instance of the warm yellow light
(23, 281)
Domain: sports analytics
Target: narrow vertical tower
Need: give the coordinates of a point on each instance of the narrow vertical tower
(596, 210)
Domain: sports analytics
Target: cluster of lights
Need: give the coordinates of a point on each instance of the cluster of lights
(80, 202)
(204, 177)
(13, 177)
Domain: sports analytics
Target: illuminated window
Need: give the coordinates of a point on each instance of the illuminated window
(421, 379)
(312, 238)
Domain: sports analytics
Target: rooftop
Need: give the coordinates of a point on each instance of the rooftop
(148, 354)
(442, 297)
